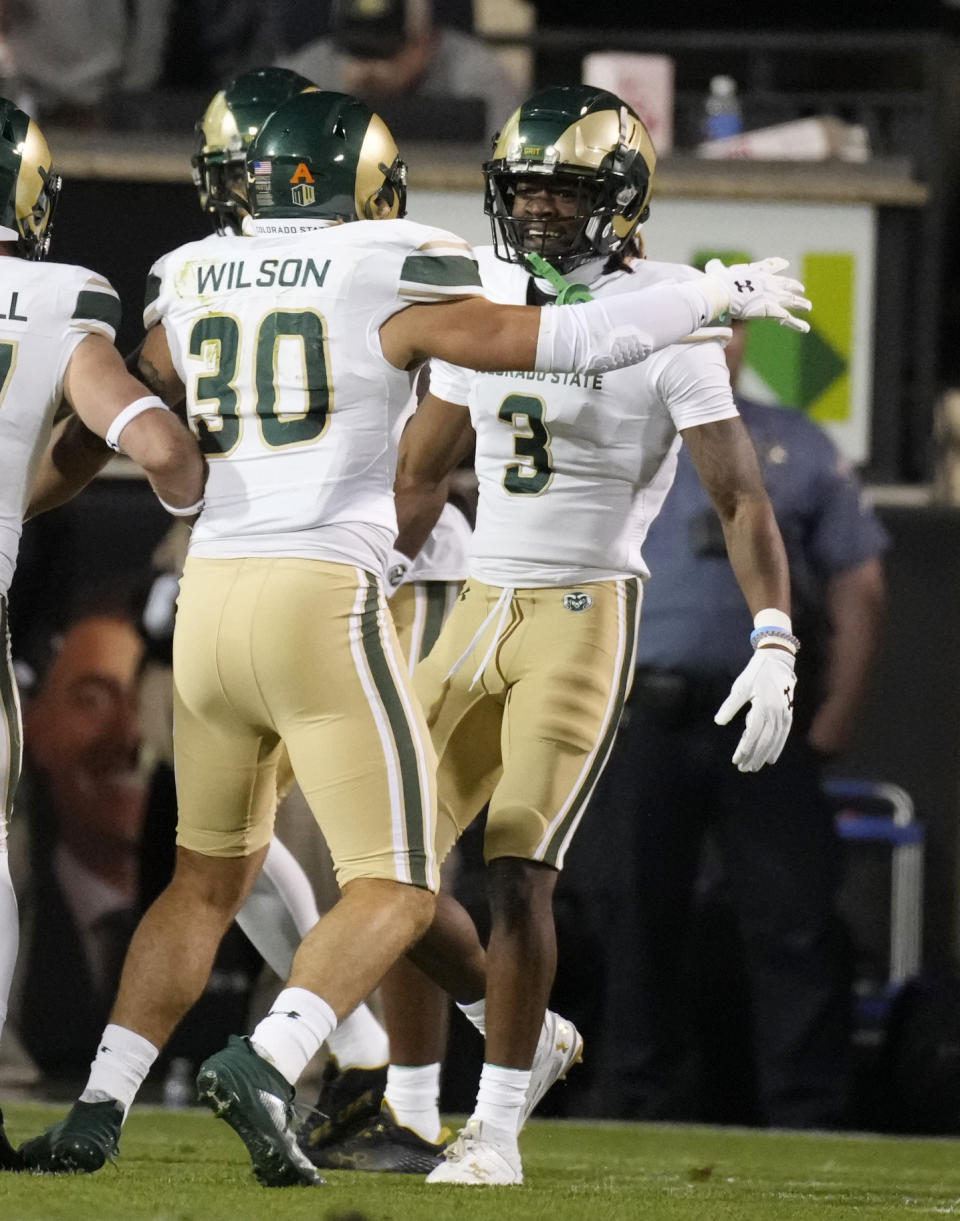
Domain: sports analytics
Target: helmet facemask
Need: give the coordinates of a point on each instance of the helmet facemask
(589, 149)
(220, 178)
(565, 241)
(29, 188)
(37, 228)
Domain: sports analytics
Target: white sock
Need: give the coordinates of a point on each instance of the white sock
(413, 1094)
(291, 1034)
(501, 1095)
(359, 1041)
(476, 1014)
(120, 1066)
(9, 929)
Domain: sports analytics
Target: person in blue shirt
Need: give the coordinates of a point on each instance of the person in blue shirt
(669, 789)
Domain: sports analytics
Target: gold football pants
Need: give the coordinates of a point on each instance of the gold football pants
(301, 654)
(532, 731)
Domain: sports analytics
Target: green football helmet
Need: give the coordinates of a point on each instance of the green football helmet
(28, 186)
(325, 155)
(234, 116)
(580, 138)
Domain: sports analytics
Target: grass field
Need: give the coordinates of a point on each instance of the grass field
(184, 1166)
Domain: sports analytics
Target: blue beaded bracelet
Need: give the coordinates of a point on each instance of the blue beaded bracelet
(781, 633)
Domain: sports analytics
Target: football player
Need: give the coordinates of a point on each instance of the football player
(281, 908)
(57, 327)
(294, 352)
(232, 118)
(525, 687)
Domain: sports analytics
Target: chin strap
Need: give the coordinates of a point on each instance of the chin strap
(567, 293)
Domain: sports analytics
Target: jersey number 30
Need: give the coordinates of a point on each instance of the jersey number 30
(220, 334)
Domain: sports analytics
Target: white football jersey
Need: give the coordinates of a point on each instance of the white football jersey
(276, 339)
(445, 554)
(572, 468)
(46, 309)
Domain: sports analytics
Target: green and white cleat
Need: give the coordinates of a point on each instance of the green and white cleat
(257, 1102)
(481, 1156)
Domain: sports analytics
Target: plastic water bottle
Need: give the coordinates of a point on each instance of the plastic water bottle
(722, 114)
(179, 1090)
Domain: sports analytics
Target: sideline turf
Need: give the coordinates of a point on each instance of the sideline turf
(184, 1166)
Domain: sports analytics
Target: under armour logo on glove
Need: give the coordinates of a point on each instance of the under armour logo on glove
(758, 290)
(767, 677)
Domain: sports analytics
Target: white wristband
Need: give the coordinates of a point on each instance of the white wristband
(187, 511)
(130, 412)
(771, 617)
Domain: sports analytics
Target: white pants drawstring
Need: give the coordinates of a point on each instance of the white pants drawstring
(499, 612)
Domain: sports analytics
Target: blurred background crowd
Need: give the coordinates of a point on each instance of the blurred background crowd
(757, 950)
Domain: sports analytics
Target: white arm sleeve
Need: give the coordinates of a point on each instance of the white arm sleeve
(609, 333)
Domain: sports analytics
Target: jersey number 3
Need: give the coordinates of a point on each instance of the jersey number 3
(531, 444)
(219, 335)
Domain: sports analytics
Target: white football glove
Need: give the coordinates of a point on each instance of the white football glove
(757, 290)
(767, 682)
(395, 573)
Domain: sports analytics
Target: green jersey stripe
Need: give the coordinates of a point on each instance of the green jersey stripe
(445, 270)
(98, 307)
(413, 812)
(152, 290)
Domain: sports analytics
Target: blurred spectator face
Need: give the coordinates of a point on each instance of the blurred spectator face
(81, 731)
(389, 44)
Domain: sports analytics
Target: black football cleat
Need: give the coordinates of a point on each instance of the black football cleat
(10, 1159)
(349, 1099)
(384, 1145)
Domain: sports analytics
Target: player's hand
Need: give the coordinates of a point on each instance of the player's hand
(767, 683)
(757, 290)
(395, 573)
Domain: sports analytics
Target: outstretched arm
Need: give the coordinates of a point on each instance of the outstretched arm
(594, 336)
